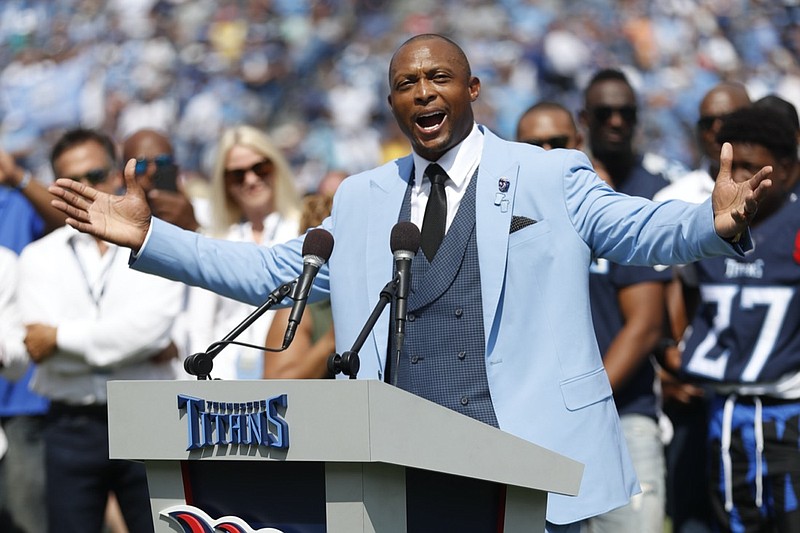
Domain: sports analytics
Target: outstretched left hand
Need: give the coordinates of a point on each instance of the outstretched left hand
(735, 204)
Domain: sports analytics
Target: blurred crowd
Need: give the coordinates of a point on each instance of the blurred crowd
(313, 72)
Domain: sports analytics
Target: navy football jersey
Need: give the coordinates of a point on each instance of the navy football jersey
(747, 328)
(605, 281)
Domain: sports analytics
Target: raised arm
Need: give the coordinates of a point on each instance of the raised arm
(123, 220)
(36, 193)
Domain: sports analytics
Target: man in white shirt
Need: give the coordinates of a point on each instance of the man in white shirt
(90, 319)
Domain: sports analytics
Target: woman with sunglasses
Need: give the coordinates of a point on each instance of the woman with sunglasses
(253, 198)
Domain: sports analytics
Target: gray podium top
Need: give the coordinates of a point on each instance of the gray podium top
(336, 421)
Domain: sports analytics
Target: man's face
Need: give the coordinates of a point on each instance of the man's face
(712, 109)
(610, 118)
(150, 150)
(89, 164)
(548, 128)
(431, 95)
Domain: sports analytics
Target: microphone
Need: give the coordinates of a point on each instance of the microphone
(317, 249)
(404, 242)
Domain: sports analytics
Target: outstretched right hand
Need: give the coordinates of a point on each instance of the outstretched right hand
(123, 220)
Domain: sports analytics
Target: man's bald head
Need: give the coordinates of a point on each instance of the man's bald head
(723, 99)
(459, 56)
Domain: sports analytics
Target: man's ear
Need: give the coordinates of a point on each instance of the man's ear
(474, 88)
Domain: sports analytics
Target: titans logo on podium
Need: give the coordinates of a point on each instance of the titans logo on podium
(255, 423)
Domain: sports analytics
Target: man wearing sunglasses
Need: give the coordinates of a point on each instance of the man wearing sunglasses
(549, 125)
(90, 319)
(157, 173)
(627, 305)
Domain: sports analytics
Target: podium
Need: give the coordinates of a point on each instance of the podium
(337, 456)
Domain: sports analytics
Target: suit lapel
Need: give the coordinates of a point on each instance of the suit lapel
(387, 189)
(497, 184)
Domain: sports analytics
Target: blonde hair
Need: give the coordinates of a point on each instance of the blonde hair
(224, 210)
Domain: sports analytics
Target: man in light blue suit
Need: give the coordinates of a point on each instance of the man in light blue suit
(508, 286)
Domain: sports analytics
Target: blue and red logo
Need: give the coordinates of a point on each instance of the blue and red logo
(193, 520)
(258, 423)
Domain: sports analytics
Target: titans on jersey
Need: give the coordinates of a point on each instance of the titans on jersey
(747, 328)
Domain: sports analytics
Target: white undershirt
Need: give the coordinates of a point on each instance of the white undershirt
(460, 163)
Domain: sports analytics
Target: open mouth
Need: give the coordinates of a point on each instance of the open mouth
(431, 122)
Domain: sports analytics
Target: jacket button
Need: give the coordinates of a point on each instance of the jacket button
(461, 355)
(411, 317)
(414, 359)
(464, 400)
(459, 312)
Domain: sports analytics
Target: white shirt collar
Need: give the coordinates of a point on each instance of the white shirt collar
(459, 162)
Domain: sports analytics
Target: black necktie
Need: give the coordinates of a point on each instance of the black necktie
(435, 212)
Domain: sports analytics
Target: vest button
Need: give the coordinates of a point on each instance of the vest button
(461, 355)
(411, 317)
(414, 359)
(459, 312)
(464, 400)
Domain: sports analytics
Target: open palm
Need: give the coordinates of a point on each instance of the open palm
(123, 220)
(735, 204)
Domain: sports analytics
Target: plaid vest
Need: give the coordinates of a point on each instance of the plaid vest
(443, 356)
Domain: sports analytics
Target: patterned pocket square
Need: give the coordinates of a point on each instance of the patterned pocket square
(517, 223)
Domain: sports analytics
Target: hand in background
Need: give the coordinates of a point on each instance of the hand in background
(165, 355)
(40, 341)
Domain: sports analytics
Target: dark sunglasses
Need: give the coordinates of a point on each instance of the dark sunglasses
(603, 113)
(94, 176)
(262, 169)
(559, 141)
(706, 122)
(143, 163)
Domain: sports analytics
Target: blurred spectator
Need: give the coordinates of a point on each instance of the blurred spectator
(158, 174)
(685, 404)
(196, 68)
(627, 305)
(21, 410)
(307, 355)
(784, 107)
(330, 182)
(744, 336)
(252, 199)
(549, 125)
(90, 319)
(16, 498)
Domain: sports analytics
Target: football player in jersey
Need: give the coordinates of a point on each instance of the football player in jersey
(744, 341)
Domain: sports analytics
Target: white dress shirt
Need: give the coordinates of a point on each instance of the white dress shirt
(13, 356)
(695, 187)
(209, 317)
(110, 319)
(460, 163)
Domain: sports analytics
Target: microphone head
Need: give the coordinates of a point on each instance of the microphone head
(318, 242)
(405, 237)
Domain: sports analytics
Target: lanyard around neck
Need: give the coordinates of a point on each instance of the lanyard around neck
(96, 290)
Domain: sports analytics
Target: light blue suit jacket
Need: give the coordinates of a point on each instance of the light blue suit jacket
(546, 377)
